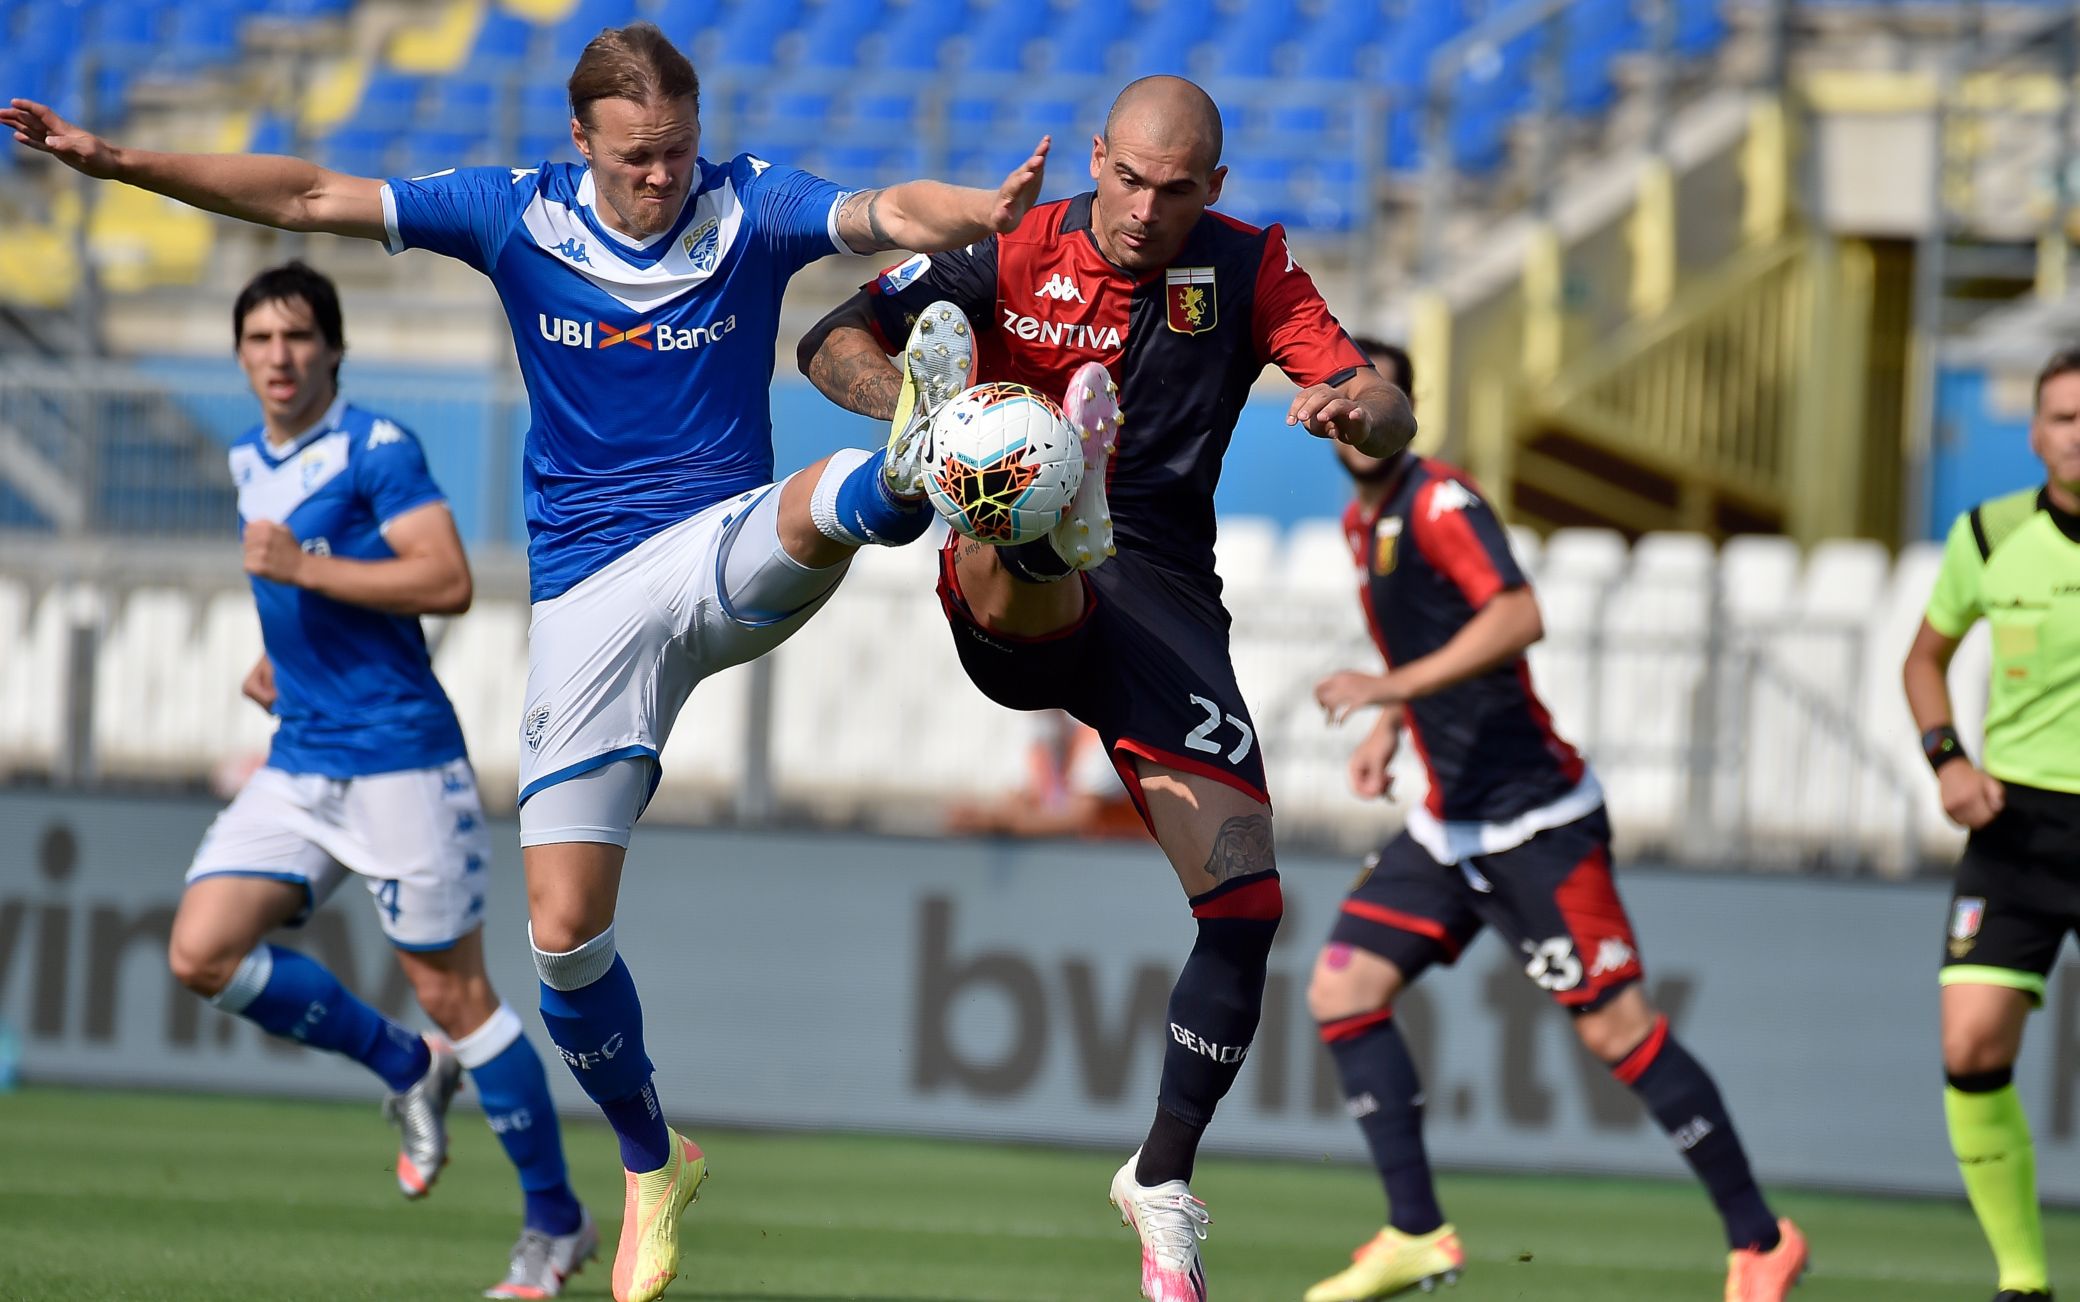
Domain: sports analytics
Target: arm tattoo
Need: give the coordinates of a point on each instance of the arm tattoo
(1241, 847)
(859, 223)
(851, 371)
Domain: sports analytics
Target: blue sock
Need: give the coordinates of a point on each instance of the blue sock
(515, 1093)
(870, 511)
(1384, 1095)
(293, 995)
(598, 1028)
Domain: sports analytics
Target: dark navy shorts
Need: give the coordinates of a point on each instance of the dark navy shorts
(1146, 666)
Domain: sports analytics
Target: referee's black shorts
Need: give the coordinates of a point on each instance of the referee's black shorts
(2017, 893)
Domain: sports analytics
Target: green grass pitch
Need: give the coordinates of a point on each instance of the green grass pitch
(136, 1196)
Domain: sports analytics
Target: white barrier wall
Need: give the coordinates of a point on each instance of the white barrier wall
(1001, 991)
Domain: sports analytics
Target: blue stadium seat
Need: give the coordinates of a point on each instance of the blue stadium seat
(305, 9)
(683, 20)
(1699, 27)
(832, 36)
(567, 39)
(391, 102)
(998, 35)
(1083, 43)
(1595, 32)
(1494, 88)
(53, 32)
(1166, 40)
(203, 34)
(1405, 56)
(503, 36)
(886, 103)
(358, 151)
(467, 102)
(270, 136)
(747, 37)
(1344, 34)
(910, 37)
(1251, 44)
(427, 150)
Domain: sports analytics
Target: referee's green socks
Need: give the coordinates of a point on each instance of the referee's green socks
(1990, 1136)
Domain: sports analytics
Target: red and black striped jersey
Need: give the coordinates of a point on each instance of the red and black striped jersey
(1185, 343)
(1431, 555)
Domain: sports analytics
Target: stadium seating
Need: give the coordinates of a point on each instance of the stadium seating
(875, 90)
(1746, 695)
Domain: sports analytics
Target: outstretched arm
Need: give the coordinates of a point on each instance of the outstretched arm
(843, 359)
(930, 216)
(269, 189)
(1364, 411)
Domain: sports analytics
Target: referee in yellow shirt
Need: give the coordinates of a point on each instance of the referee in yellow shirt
(2015, 562)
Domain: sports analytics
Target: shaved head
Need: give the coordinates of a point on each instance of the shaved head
(1168, 113)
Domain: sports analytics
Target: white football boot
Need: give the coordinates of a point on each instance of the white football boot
(1083, 536)
(542, 1261)
(937, 363)
(421, 1117)
(1171, 1224)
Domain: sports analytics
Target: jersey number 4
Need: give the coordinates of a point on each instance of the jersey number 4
(1201, 737)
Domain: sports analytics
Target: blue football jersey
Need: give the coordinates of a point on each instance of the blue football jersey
(647, 366)
(354, 687)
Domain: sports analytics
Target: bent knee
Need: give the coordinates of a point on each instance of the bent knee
(1619, 1027)
(1348, 982)
(201, 969)
(1969, 1051)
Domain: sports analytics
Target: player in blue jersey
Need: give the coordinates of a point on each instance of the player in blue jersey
(643, 290)
(348, 541)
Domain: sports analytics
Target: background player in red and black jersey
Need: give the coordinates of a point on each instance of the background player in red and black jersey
(1513, 837)
(1184, 308)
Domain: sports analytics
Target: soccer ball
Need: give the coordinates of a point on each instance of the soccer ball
(1005, 463)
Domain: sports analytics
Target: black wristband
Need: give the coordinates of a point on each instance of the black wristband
(1941, 744)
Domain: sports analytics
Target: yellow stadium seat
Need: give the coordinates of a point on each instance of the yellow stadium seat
(335, 95)
(139, 240)
(541, 12)
(442, 44)
(37, 265)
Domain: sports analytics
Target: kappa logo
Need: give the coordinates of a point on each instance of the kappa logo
(383, 433)
(535, 726)
(1451, 495)
(702, 244)
(1061, 288)
(1612, 955)
(576, 250)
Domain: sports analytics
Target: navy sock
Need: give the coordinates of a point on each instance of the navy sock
(1385, 1097)
(515, 1093)
(598, 1028)
(1680, 1094)
(870, 510)
(293, 995)
(1214, 1009)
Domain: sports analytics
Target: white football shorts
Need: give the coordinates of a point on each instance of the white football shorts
(611, 661)
(417, 837)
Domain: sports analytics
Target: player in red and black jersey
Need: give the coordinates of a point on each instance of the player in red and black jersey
(1512, 836)
(1184, 308)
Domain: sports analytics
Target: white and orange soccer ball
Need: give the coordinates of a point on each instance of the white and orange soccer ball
(1005, 463)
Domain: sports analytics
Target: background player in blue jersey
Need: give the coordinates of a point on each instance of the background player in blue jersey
(644, 293)
(348, 541)
(1512, 836)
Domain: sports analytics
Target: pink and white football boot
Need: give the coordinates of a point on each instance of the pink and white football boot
(1171, 1224)
(1083, 536)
